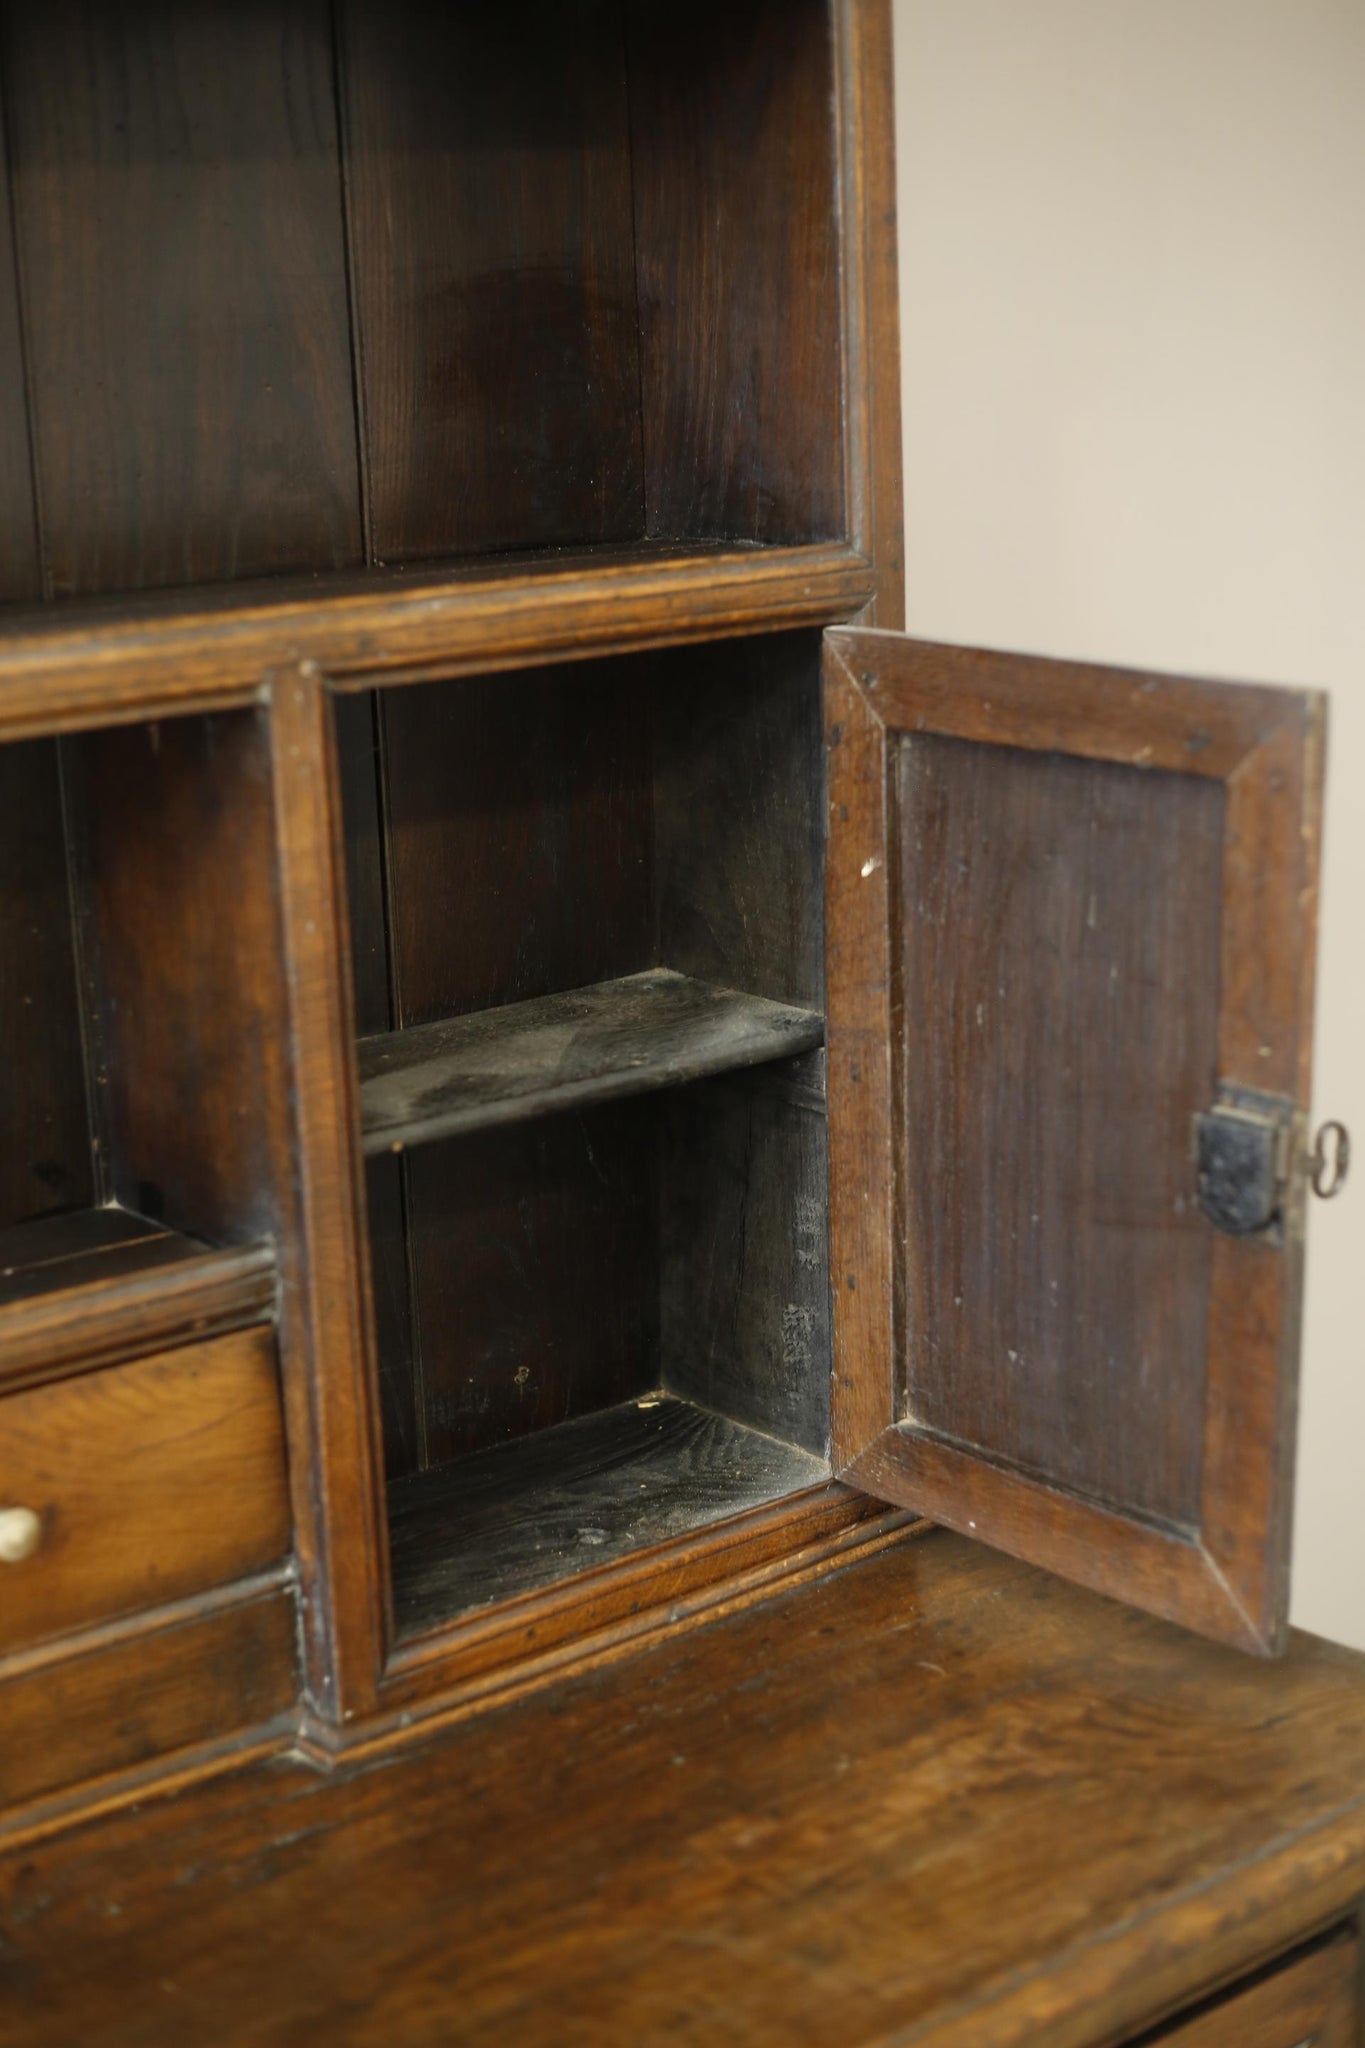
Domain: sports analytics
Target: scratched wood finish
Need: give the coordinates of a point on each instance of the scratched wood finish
(1057, 950)
(1261, 753)
(182, 940)
(836, 1798)
(121, 1287)
(152, 1481)
(581, 1046)
(45, 1153)
(736, 234)
(125, 1700)
(568, 1500)
(20, 575)
(536, 1254)
(1312, 2002)
(489, 175)
(177, 197)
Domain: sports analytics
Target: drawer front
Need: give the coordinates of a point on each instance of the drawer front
(1310, 2003)
(140, 1484)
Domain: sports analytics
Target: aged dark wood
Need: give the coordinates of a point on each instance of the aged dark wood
(1058, 942)
(489, 180)
(45, 1154)
(119, 1465)
(617, 1038)
(568, 1500)
(1310, 2002)
(518, 813)
(535, 1261)
(178, 205)
(834, 1800)
(130, 1702)
(744, 1322)
(90, 664)
(123, 1288)
(739, 301)
(183, 956)
(20, 575)
(982, 903)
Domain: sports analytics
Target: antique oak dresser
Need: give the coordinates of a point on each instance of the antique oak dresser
(652, 1236)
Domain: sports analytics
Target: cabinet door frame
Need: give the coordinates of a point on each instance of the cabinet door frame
(1228, 1577)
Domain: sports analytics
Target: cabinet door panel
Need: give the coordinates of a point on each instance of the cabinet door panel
(1071, 940)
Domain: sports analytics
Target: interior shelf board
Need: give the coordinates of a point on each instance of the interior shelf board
(94, 1286)
(561, 1501)
(616, 1038)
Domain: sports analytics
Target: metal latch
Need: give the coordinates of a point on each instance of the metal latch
(1245, 1154)
(1244, 1150)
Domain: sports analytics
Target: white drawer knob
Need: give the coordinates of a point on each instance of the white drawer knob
(21, 1531)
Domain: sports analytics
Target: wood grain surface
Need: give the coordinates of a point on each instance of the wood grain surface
(572, 1499)
(617, 1038)
(177, 198)
(151, 1480)
(994, 922)
(20, 573)
(1311, 2002)
(937, 1798)
(732, 113)
(489, 179)
(46, 1160)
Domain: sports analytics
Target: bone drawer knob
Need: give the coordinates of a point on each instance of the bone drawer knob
(20, 1534)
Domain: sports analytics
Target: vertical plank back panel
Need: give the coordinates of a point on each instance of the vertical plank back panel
(520, 837)
(488, 166)
(19, 569)
(732, 116)
(178, 205)
(45, 1156)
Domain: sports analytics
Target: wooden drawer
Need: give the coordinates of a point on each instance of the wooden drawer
(149, 1482)
(1311, 2002)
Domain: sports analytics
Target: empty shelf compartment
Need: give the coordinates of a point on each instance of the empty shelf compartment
(617, 1038)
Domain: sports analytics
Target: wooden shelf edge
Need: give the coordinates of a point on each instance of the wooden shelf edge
(106, 1321)
(183, 652)
(630, 1036)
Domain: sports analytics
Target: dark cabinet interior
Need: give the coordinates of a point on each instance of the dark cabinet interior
(588, 957)
(295, 288)
(140, 1000)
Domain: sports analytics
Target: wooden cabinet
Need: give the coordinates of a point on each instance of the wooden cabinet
(561, 1076)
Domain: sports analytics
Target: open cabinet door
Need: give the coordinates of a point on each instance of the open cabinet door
(1071, 954)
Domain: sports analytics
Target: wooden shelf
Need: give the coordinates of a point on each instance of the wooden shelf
(94, 661)
(548, 1506)
(95, 1286)
(646, 1031)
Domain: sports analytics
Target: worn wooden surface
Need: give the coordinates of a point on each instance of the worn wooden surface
(489, 180)
(535, 1254)
(739, 302)
(1057, 947)
(899, 1110)
(568, 1500)
(45, 1152)
(187, 1681)
(20, 575)
(744, 1272)
(617, 1038)
(88, 663)
(151, 1480)
(834, 1819)
(183, 958)
(97, 1285)
(1312, 2001)
(177, 201)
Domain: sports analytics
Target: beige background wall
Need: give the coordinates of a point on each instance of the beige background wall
(1133, 307)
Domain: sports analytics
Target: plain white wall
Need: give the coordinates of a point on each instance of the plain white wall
(1132, 239)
